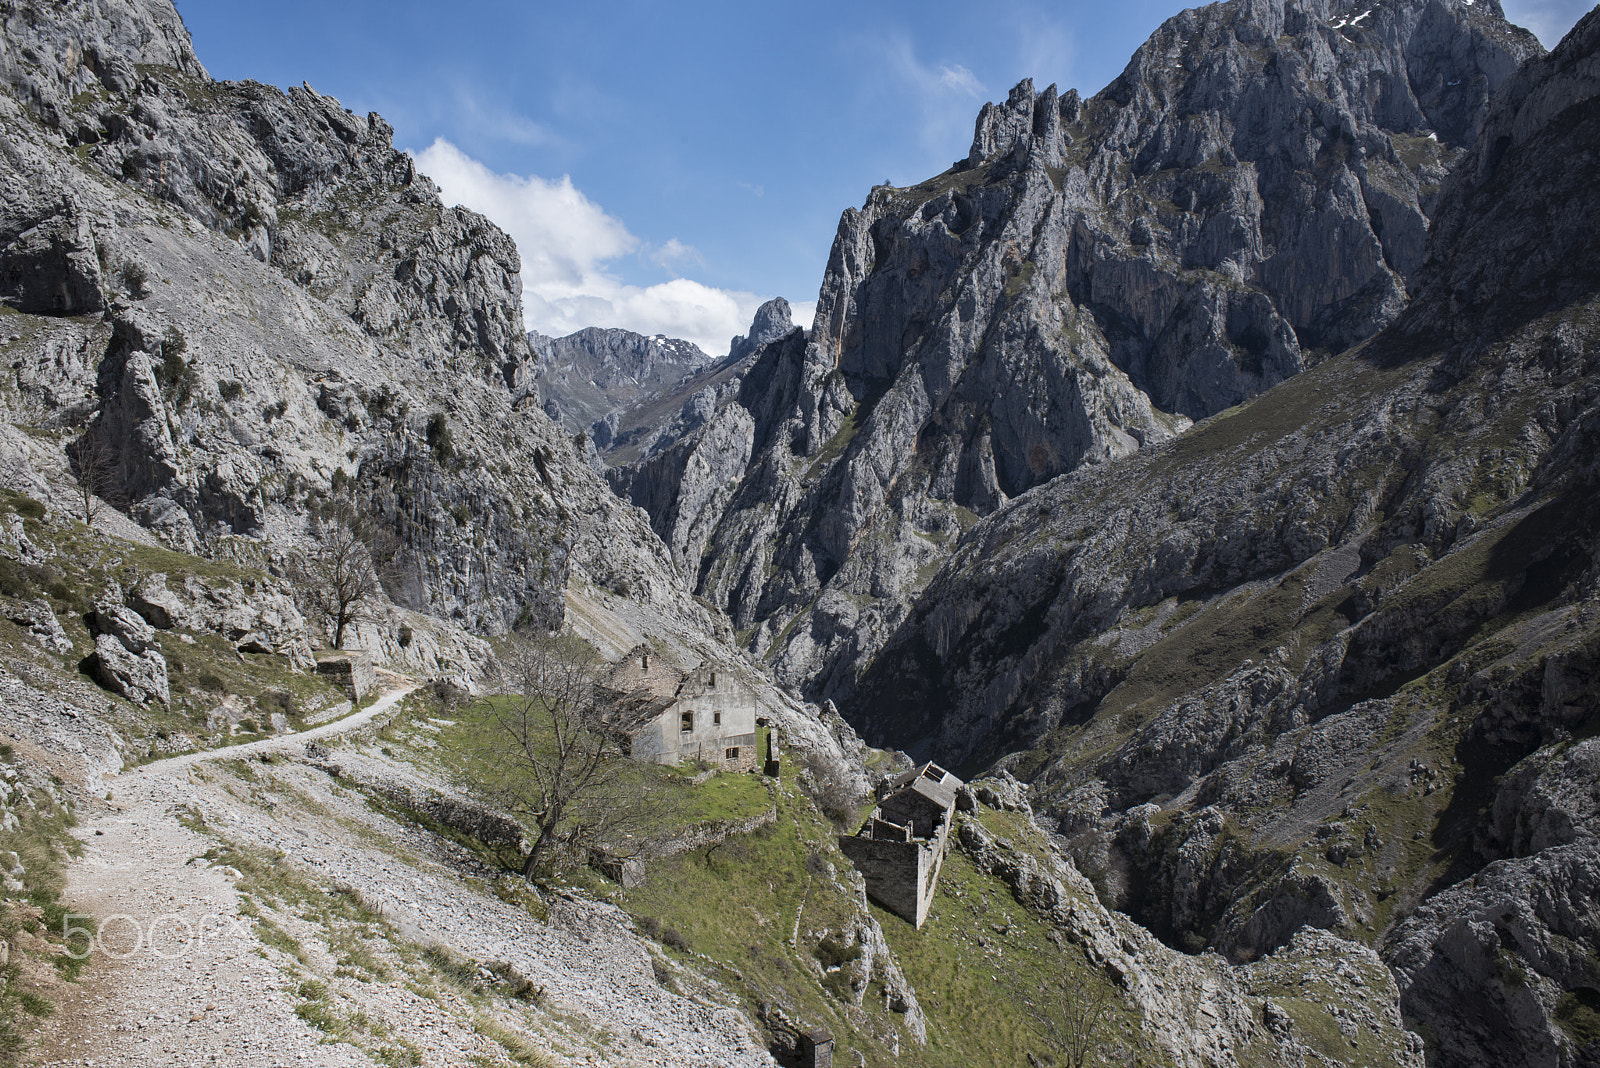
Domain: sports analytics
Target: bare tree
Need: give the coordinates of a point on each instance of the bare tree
(338, 577)
(1082, 1014)
(556, 763)
(94, 470)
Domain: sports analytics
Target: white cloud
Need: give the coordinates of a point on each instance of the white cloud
(942, 97)
(803, 312)
(960, 79)
(675, 252)
(566, 239)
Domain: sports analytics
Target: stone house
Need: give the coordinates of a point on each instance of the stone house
(899, 851)
(706, 714)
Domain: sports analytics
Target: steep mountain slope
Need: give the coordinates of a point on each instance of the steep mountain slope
(233, 311)
(1327, 658)
(587, 375)
(287, 311)
(1250, 194)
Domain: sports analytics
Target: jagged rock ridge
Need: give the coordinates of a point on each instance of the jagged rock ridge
(1251, 192)
(1326, 660)
(587, 376)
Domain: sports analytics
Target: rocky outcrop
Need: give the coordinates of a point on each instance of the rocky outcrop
(1251, 194)
(1502, 966)
(289, 315)
(1321, 660)
(772, 321)
(137, 674)
(39, 620)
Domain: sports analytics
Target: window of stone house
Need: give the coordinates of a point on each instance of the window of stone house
(731, 754)
(688, 722)
(713, 680)
(716, 719)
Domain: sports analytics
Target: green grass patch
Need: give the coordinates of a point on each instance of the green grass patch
(988, 995)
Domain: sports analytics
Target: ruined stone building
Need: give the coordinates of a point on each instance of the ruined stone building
(900, 849)
(705, 714)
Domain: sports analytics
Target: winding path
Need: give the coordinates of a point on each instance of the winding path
(174, 977)
(354, 721)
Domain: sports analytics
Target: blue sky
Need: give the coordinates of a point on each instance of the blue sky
(666, 166)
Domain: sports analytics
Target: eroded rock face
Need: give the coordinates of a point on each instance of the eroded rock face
(39, 620)
(1252, 193)
(1322, 660)
(289, 314)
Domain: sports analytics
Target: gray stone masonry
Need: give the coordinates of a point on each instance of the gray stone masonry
(899, 851)
(350, 670)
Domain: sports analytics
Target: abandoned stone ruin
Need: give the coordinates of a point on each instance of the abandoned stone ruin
(350, 670)
(705, 714)
(900, 849)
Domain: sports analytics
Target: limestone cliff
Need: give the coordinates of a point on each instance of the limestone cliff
(1326, 658)
(286, 312)
(1251, 194)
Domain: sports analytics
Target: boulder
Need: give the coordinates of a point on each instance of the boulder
(138, 676)
(122, 623)
(37, 618)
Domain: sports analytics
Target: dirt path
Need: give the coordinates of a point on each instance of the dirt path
(197, 964)
(175, 975)
(278, 743)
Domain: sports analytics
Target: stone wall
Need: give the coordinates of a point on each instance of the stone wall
(352, 672)
(900, 876)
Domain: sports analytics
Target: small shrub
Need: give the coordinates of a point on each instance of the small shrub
(839, 985)
(837, 795)
(230, 390)
(278, 701)
(176, 378)
(249, 726)
(440, 439)
(455, 969)
(13, 579)
(519, 985)
(403, 636)
(667, 936)
(27, 507)
(447, 693)
(208, 681)
(275, 411)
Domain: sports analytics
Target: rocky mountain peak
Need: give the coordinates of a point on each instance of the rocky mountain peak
(597, 371)
(1251, 194)
(772, 321)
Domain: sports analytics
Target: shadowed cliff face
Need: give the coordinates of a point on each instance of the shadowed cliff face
(1325, 658)
(1251, 194)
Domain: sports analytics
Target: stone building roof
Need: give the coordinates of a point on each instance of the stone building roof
(930, 781)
